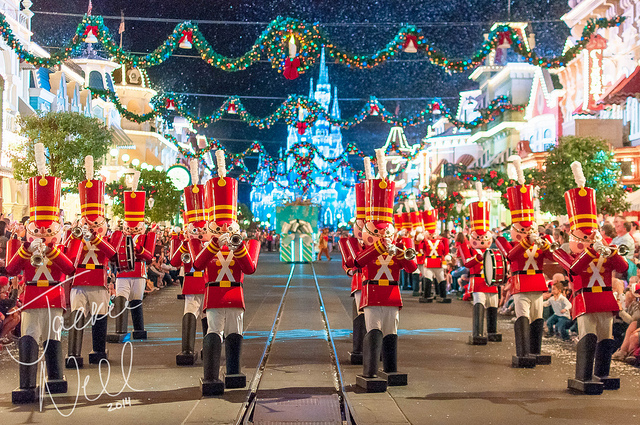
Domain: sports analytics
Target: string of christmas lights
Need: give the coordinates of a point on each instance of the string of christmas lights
(293, 46)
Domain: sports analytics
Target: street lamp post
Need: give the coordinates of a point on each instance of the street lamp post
(441, 191)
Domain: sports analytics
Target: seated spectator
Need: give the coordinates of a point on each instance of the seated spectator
(154, 272)
(9, 314)
(630, 314)
(561, 317)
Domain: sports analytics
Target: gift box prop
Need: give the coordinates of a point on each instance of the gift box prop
(297, 226)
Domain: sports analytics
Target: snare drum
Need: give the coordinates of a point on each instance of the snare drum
(495, 268)
(127, 258)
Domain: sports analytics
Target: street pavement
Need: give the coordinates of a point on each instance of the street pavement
(450, 382)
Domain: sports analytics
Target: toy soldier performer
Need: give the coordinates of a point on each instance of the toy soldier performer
(436, 253)
(227, 258)
(45, 264)
(484, 297)
(590, 266)
(197, 206)
(526, 255)
(130, 284)
(89, 294)
(381, 261)
(349, 247)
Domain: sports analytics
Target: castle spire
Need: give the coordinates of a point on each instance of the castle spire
(324, 74)
(335, 109)
(311, 88)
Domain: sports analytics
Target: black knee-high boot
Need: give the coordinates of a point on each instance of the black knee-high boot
(537, 331)
(492, 325)
(211, 384)
(390, 362)
(188, 355)
(371, 350)
(28, 392)
(523, 357)
(359, 330)
(99, 340)
(56, 383)
(205, 326)
(74, 351)
(604, 351)
(415, 285)
(137, 317)
(584, 382)
(232, 351)
(122, 319)
(427, 296)
(442, 293)
(477, 337)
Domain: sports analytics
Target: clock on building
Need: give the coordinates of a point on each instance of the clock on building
(180, 176)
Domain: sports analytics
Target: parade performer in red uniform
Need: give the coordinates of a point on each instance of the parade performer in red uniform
(227, 258)
(130, 284)
(417, 237)
(590, 266)
(436, 255)
(471, 251)
(89, 294)
(526, 255)
(183, 251)
(381, 261)
(45, 264)
(349, 247)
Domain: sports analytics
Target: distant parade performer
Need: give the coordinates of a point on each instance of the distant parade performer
(417, 236)
(590, 266)
(183, 252)
(436, 255)
(45, 264)
(381, 262)
(526, 254)
(89, 294)
(349, 247)
(226, 258)
(135, 250)
(485, 297)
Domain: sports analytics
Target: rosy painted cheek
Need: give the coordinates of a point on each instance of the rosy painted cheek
(580, 246)
(518, 237)
(100, 230)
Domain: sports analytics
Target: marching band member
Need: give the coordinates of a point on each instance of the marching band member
(89, 294)
(227, 258)
(45, 264)
(590, 266)
(417, 232)
(526, 255)
(381, 262)
(349, 247)
(197, 206)
(130, 284)
(484, 296)
(436, 252)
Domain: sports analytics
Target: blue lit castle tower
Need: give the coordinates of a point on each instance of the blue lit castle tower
(336, 199)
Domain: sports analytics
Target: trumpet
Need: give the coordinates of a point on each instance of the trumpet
(235, 241)
(408, 254)
(81, 232)
(554, 246)
(600, 247)
(185, 258)
(37, 258)
(623, 250)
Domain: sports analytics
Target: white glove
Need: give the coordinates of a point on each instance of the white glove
(36, 245)
(223, 240)
(447, 258)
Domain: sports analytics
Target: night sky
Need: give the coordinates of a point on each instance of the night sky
(454, 26)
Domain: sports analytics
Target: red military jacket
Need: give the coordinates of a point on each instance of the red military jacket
(194, 280)
(225, 271)
(44, 284)
(474, 263)
(420, 251)
(381, 273)
(145, 246)
(526, 261)
(434, 252)
(93, 259)
(349, 247)
(591, 278)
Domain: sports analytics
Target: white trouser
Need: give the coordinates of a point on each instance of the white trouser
(357, 296)
(486, 299)
(225, 321)
(600, 324)
(436, 274)
(91, 299)
(383, 318)
(528, 304)
(193, 304)
(42, 323)
(132, 288)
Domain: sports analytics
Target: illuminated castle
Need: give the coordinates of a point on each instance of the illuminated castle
(336, 199)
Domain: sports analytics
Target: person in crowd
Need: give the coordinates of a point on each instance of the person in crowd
(561, 317)
(623, 227)
(323, 245)
(635, 232)
(608, 232)
(9, 315)
(630, 314)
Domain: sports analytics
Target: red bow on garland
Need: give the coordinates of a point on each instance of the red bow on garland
(232, 109)
(91, 29)
(170, 105)
(187, 35)
(302, 127)
(374, 110)
(410, 44)
(291, 68)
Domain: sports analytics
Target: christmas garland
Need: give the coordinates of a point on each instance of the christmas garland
(293, 46)
(290, 112)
